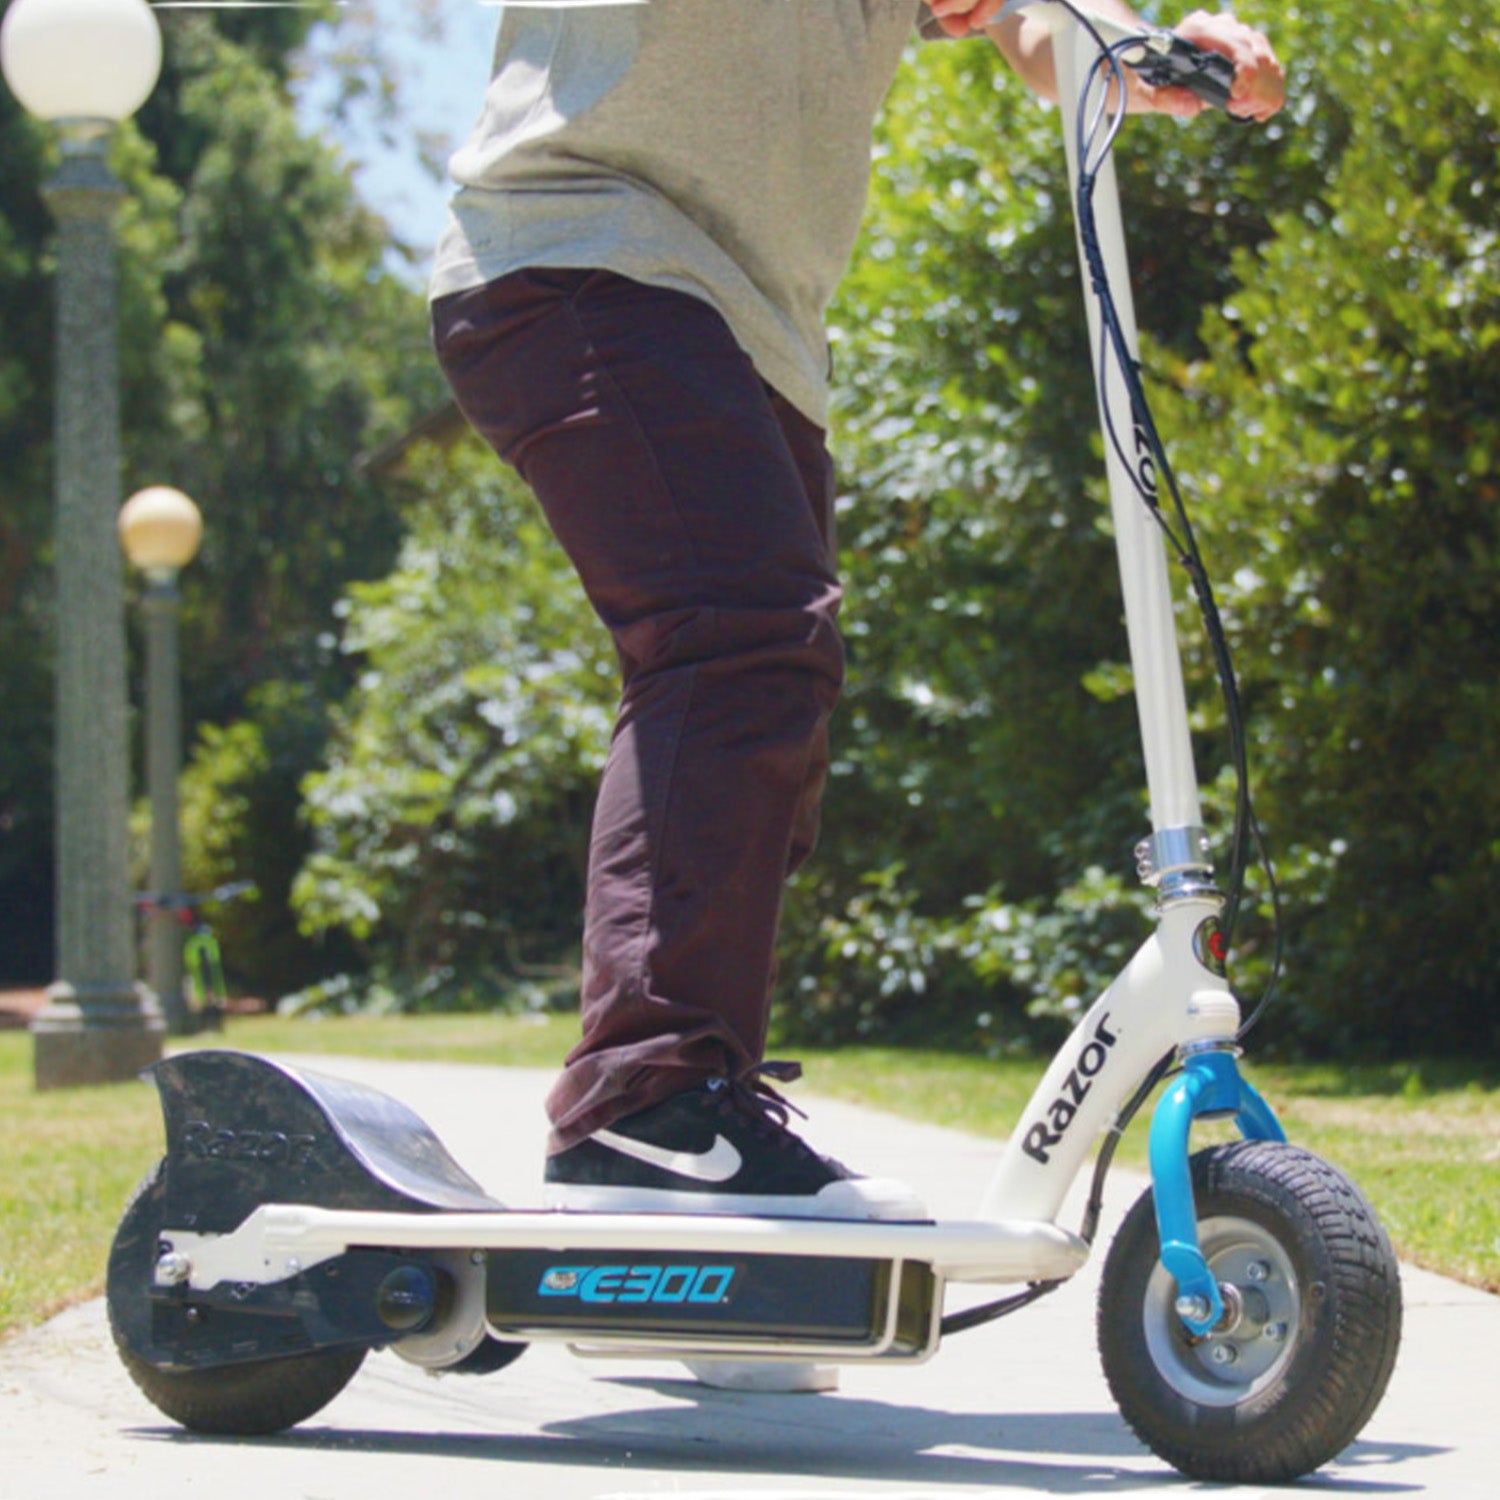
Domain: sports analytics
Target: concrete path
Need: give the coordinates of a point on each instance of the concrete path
(1017, 1409)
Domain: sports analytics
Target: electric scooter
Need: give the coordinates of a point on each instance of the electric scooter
(1249, 1307)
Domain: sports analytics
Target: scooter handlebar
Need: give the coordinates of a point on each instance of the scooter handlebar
(1161, 57)
(1166, 60)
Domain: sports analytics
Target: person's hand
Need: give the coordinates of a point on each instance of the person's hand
(960, 17)
(1259, 87)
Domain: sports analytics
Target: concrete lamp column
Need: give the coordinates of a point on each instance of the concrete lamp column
(83, 66)
(160, 529)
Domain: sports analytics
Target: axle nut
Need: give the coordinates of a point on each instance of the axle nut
(1193, 1308)
(173, 1268)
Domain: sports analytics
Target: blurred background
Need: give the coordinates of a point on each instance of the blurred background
(396, 703)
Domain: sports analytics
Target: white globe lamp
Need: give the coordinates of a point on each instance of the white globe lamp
(160, 529)
(68, 60)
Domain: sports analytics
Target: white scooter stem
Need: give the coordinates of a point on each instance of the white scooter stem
(1172, 993)
(1161, 699)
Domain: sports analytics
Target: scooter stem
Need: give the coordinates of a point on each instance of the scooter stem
(1161, 699)
(1172, 996)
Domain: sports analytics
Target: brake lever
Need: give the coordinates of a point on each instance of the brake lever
(1166, 60)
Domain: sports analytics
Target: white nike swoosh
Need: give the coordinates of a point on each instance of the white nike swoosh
(718, 1164)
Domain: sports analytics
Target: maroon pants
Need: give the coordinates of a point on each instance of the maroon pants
(697, 506)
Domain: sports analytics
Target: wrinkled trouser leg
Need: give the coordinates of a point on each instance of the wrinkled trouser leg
(696, 505)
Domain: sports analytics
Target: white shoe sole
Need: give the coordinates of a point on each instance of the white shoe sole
(765, 1377)
(848, 1198)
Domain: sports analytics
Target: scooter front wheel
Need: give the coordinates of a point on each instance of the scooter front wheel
(1312, 1320)
(236, 1400)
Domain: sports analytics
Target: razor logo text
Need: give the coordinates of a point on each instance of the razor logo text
(638, 1284)
(271, 1147)
(1063, 1110)
(1145, 460)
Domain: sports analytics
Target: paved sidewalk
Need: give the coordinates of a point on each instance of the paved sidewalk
(1016, 1409)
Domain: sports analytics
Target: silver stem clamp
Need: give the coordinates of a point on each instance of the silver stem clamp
(1171, 851)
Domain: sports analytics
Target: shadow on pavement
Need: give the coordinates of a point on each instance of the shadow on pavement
(833, 1438)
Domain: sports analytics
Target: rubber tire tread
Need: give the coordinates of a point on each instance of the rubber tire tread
(251, 1400)
(1346, 1346)
(244, 1400)
(487, 1357)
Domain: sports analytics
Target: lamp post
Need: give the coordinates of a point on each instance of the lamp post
(85, 65)
(160, 529)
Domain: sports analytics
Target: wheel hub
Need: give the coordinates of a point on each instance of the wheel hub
(1250, 1343)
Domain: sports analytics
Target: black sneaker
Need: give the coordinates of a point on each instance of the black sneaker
(722, 1148)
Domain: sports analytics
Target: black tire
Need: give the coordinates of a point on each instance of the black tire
(489, 1356)
(252, 1400)
(240, 1400)
(1315, 1285)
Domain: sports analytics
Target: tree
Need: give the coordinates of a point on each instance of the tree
(1321, 294)
(1344, 424)
(264, 350)
(451, 817)
(989, 754)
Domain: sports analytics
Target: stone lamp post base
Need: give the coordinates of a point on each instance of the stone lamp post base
(87, 1036)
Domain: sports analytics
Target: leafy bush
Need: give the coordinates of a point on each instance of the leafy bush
(1322, 337)
(241, 810)
(450, 820)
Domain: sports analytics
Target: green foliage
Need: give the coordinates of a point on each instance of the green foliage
(451, 819)
(879, 969)
(1322, 341)
(263, 350)
(1057, 951)
(981, 575)
(241, 795)
(1344, 428)
(1318, 305)
(25, 519)
(303, 356)
(1318, 311)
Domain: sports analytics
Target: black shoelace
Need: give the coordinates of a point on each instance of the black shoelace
(752, 1099)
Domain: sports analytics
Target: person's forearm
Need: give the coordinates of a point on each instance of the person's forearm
(1026, 41)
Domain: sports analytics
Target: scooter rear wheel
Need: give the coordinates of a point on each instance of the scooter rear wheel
(1313, 1319)
(238, 1400)
(252, 1400)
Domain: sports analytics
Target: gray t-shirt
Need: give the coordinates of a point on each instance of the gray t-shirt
(719, 147)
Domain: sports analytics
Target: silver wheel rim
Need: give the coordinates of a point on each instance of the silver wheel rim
(1264, 1304)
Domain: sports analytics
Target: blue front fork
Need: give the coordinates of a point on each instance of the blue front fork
(1210, 1084)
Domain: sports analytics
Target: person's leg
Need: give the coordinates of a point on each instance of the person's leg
(809, 449)
(697, 508)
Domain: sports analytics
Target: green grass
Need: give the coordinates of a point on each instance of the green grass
(1426, 1155)
(1423, 1143)
(527, 1041)
(71, 1158)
